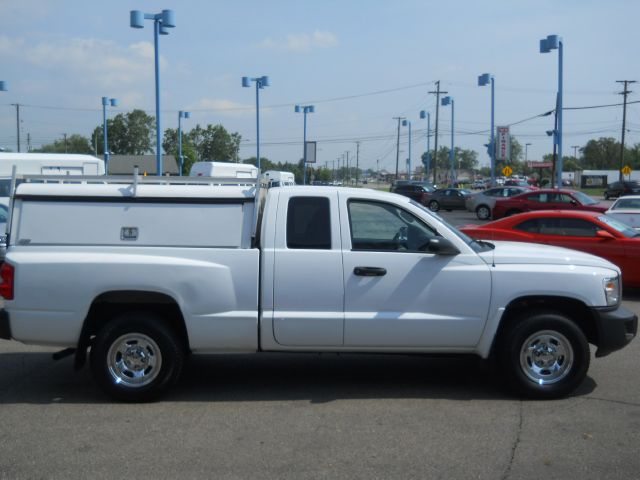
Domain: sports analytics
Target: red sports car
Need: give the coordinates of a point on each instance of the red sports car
(546, 199)
(590, 232)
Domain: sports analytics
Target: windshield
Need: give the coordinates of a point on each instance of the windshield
(477, 246)
(584, 198)
(620, 226)
(627, 203)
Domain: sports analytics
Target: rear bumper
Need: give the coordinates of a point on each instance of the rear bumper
(616, 328)
(5, 327)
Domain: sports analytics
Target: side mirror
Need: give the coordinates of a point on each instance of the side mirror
(440, 246)
(604, 235)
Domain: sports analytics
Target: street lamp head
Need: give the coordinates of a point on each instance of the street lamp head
(311, 108)
(544, 46)
(264, 81)
(105, 101)
(484, 79)
(296, 109)
(404, 123)
(550, 132)
(168, 18)
(445, 101)
(187, 114)
(3, 86)
(137, 19)
(113, 102)
(423, 114)
(163, 30)
(246, 82)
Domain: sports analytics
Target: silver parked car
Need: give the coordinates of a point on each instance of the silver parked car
(483, 202)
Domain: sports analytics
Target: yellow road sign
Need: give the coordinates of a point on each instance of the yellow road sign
(507, 171)
(626, 170)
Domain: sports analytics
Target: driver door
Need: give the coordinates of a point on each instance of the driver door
(399, 297)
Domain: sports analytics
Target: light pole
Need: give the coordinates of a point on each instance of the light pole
(483, 80)
(260, 82)
(114, 103)
(3, 86)
(553, 42)
(526, 152)
(404, 124)
(161, 22)
(181, 115)
(449, 101)
(427, 115)
(304, 109)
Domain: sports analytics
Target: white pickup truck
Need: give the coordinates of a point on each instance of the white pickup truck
(139, 273)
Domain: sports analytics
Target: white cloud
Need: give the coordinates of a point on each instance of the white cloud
(101, 63)
(302, 42)
(223, 107)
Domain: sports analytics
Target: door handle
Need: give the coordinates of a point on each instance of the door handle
(370, 271)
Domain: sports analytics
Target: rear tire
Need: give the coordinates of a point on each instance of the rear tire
(136, 357)
(434, 206)
(483, 212)
(544, 355)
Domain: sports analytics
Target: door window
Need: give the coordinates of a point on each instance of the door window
(381, 226)
(568, 227)
(308, 223)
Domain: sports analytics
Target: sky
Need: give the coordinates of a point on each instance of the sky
(359, 63)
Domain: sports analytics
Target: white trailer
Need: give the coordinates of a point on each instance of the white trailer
(45, 164)
(274, 178)
(223, 170)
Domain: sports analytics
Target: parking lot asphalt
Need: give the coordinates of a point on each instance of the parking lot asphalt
(319, 416)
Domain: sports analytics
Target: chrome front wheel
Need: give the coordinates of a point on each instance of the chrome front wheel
(544, 354)
(546, 357)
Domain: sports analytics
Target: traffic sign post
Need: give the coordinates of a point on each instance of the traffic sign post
(626, 170)
(507, 171)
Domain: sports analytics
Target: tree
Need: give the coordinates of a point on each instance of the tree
(215, 143)
(601, 154)
(129, 133)
(74, 144)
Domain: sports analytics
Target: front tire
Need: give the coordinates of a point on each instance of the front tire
(434, 206)
(483, 212)
(136, 357)
(544, 355)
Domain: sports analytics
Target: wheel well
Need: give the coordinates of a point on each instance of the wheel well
(110, 304)
(573, 309)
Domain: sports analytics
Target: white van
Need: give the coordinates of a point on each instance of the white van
(45, 164)
(223, 170)
(274, 178)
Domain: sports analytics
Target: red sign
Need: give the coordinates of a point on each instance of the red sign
(540, 164)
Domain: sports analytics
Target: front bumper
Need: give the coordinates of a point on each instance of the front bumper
(5, 327)
(616, 328)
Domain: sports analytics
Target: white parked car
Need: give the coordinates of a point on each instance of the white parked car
(627, 209)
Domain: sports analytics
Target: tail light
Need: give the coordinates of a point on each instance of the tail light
(7, 276)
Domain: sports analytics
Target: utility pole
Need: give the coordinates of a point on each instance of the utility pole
(575, 151)
(28, 142)
(65, 142)
(437, 93)
(624, 123)
(398, 145)
(357, 160)
(348, 172)
(378, 170)
(17, 105)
